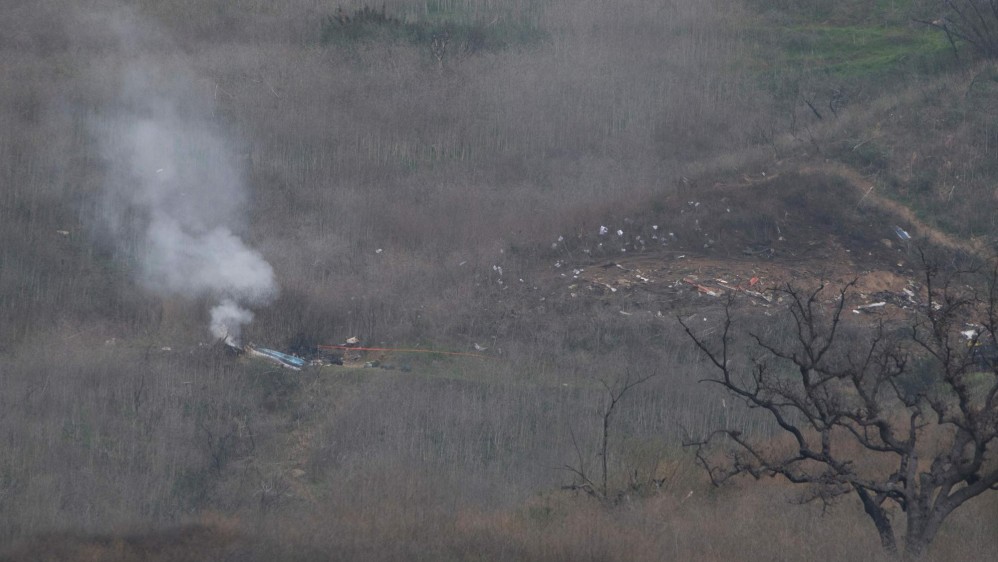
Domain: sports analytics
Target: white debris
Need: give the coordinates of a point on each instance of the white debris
(603, 230)
(871, 306)
(620, 232)
(378, 251)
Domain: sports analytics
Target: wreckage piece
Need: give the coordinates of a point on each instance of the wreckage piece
(702, 289)
(757, 295)
(870, 307)
(282, 359)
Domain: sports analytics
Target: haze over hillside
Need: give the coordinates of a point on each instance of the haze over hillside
(511, 200)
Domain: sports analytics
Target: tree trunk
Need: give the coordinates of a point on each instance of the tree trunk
(914, 548)
(920, 532)
(886, 535)
(880, 520)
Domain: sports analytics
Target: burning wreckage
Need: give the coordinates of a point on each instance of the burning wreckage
(348, 353)
(270, 355)
(286, 360)
(276, 357)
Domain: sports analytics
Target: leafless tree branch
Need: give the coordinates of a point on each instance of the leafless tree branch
(902, 417)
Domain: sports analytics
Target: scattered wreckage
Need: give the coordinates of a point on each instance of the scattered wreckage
(276, 357)
(287, 360)
(983, 347)
(350, 353)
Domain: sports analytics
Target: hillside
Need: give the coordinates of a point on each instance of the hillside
(513, 201)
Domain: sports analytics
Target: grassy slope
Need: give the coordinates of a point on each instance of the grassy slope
(484, 160)
(913, 114)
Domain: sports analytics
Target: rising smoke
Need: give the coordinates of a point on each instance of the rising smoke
(174, 196)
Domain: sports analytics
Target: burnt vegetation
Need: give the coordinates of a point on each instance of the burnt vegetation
(515, 198)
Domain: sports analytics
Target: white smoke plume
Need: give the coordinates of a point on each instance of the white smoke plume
(227, 320)
(175, 196)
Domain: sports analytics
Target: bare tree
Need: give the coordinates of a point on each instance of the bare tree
(899, 416)
(972, 21)
(597, 485)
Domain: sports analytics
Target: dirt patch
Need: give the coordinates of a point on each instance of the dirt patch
(803, 227)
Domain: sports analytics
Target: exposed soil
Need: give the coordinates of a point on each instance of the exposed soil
(803, 226)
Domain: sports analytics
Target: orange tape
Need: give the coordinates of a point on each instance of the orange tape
(397, 350)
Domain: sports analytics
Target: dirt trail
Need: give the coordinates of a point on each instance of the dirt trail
(867, 188)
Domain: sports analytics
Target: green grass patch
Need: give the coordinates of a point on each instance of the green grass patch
(839, 12)
(444, 28)
(852, 46)
(867, 58)
(853, 51)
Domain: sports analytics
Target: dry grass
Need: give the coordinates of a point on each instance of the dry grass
(452, 168)
(416, 526)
